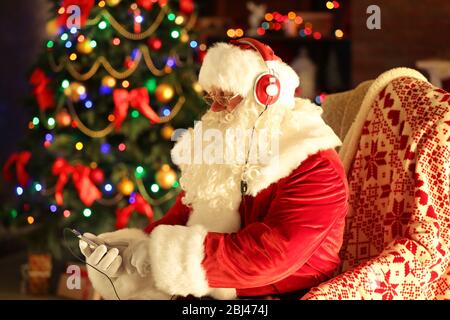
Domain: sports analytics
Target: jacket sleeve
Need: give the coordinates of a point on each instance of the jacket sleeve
(178, 214)
(305, 207)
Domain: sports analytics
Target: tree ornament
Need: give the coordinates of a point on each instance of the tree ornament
(125, 186)
(112, 3)
(84, 46)
(109, 81)
(52, 28)
(166, 177)
(74, 91)
(63, 118)
(97, 175)
(164, 92)
(167, 131)
(155, 43)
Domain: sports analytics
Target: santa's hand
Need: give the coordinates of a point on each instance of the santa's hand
(107, 261)
(137, 258)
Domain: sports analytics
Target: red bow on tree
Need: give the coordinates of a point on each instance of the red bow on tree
(139, 205)
(138, 98)
(187, 6)
(148, 4)
(82, 178)
(20, 159)
(85, 10)
(41, 90)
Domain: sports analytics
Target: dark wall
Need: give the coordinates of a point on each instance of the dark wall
(22, 32)
(410, 30)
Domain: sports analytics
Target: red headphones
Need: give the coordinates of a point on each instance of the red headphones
(267, 85)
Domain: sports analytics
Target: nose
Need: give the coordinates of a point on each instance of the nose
(216, 107)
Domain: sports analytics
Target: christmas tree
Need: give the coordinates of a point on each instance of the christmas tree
(114, 81)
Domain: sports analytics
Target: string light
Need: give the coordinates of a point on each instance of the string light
(176, 184)
(35, 121)
(30, 220)
(102, 25)
(231, 33)
(65, 84)
(79, 146)
(292, 15)
(53, 208)
(171, 16)
(179, 20)
(87, 212)
(175, 34)
(88, 104)
(135, 114)
(154, 188)
(101, 4)
(66, 213)
(49, 137)
(116, 41)
(104, 148)
(329, 5)
(108, 187)
(61, 10)
(50, 44)
(37, 187)
(193, 44)
(93, 43)
(239, 33)
(151, 84)
(19, 191)
(202, 47)
(336, 4)
(73, 57)
(139, 19)
(51, 122)
(13, 213)
(268, 17)
(125, 83)
(166, 111)
(339, 34)
(140, 171)
(111, 118)
(64, 36)
(81, 38)
(317, 35)
(122, 147)
(73, 30)
(68, 44)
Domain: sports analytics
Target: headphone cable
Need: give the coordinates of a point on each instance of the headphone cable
(85, 262)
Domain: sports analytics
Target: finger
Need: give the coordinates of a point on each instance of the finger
(115, 266)
(127, 262)
(142, 268)
(94, 238)
(97, 255)
(84, 248)
(108, 259)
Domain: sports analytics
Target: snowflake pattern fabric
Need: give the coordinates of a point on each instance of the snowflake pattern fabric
(397, 237)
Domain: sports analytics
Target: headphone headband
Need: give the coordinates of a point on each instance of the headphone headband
(267, 85)
(264, 50)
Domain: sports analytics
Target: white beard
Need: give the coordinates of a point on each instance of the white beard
(213, 190)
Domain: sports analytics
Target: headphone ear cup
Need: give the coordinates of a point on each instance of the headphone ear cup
(267, 89)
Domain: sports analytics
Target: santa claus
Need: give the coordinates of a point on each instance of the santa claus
(252, 224)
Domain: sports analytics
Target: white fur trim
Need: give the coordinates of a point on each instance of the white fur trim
(233, 69)
(303, 133)
(176, 255)
(128, 286)
(351, 140)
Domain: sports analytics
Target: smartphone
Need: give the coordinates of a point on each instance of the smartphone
(114, 244)
(91, 243)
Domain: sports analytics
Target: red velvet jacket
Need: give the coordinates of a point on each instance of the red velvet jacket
(290, 235)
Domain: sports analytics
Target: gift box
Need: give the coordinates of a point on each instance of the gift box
(75, 284)
(39, 273)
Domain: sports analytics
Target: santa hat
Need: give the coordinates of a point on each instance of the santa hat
(233, 68)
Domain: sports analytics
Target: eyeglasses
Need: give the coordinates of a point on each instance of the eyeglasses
(223, 100)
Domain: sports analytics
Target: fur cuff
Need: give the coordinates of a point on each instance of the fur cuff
(176, 254)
